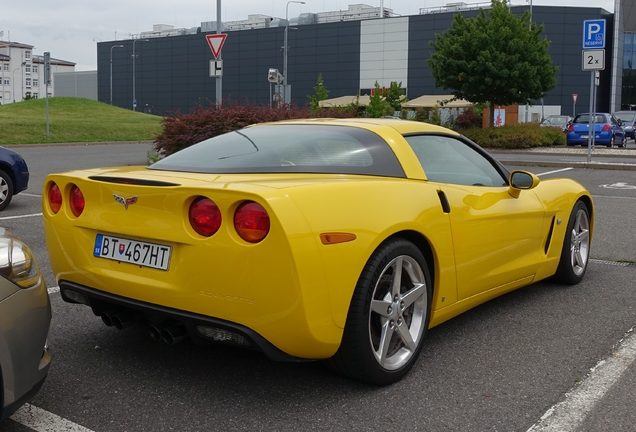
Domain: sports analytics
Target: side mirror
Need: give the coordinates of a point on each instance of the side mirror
(521, 180)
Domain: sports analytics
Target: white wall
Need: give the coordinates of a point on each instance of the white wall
(384, 52)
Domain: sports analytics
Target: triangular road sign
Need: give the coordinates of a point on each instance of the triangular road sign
(216, 42)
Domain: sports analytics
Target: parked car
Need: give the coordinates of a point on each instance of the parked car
(341, 240)
(14, 176)
(628, 119)
(25, 316)
(607, 128)
(558, 121)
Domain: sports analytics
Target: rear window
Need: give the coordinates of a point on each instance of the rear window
(627, 117)
(586, 119)
(288, 149)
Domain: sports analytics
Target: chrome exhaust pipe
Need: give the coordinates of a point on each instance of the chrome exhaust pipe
(174, 334)
(123, 319)
(155, 330)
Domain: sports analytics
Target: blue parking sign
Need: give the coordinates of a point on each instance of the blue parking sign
(594, 34)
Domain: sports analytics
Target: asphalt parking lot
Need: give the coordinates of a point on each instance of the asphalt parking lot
(499, 367)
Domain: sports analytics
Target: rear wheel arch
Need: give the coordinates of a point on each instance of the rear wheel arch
(423, 244)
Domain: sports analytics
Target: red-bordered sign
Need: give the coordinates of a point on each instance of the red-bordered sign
(216, 42)
(574, 97)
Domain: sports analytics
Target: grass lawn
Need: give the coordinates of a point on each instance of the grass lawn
(73, 120)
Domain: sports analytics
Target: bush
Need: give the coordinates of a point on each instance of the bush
(183, 130)
(468, 119)
(516, 136)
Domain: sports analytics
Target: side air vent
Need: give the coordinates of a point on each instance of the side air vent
(444, 201)
(549, 239)
(132, 181)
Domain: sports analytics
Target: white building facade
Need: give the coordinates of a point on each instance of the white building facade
(22, 72)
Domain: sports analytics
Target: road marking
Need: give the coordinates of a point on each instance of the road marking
(619, 185)
(555, 171)
(54, 290)
(21, 216)
(617, 197)
(43, 421)
(30, 194)
(569, 414)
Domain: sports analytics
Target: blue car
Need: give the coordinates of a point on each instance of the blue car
(607, 128)
(14, 176)
(628, 118)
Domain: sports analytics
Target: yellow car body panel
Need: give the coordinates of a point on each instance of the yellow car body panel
(292, 289)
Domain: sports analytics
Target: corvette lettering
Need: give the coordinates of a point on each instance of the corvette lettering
(125, 201)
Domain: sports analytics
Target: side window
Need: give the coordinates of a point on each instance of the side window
(449, 160)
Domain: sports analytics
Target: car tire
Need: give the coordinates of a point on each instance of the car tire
(576, 247)
(380, 309)
(6, 190)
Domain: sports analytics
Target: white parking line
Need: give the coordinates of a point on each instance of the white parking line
(568, 415)
(43, 421)
(555, 171)
(30, 194)
(21, 216)
(53, 290)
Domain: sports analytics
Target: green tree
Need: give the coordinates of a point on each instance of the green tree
(320, 93)
(395, 96)
(495, 58)
(378, 106)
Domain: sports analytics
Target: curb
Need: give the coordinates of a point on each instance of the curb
(591, 165)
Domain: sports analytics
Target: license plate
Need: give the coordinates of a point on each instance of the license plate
(140, 253)
(584, 136)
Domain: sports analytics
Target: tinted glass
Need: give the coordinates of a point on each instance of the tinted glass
(585, 118)
(625, 116)
(288, 149)
(449, 160)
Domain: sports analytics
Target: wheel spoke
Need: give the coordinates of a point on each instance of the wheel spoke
(397, 276)
(406, 337)
(578, 259)
(385, 341)
(381, 307)
(418, 290)
(584, 236)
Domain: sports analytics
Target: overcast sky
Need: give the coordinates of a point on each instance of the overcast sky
(69, 29)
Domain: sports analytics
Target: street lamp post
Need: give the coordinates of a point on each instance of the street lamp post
(134, 57)
(111, 71)
(285, 97)
(13, 86)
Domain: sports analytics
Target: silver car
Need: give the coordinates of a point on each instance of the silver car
(25, 317)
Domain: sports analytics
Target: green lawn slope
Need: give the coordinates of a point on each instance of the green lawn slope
(73, 120)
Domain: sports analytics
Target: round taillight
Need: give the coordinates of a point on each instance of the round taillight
(55, 198)
(251, 222)
(205, 216)
(77, 201)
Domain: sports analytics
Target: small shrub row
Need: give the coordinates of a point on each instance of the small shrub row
(516, 136)
(183, 130)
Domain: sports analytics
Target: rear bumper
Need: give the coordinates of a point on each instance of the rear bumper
(152, 314)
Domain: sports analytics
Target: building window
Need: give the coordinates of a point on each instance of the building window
(35, 82)
(6, 81)
(35, 69)
(28, 82)
(6, 66)
(35, 96)
(27, 54)
(27, 68)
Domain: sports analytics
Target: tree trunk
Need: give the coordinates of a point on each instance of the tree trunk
(491, 108)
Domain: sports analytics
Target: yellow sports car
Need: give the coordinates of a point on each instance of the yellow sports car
(341, 240)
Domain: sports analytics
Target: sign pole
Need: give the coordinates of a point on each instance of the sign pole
(591, 131)
(219, 79)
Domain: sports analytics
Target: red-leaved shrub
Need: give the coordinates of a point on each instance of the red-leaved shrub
(183, 130)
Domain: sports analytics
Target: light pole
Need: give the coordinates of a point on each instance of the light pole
(111, 71)
(285, 97)
(134, 57)
(13, 73)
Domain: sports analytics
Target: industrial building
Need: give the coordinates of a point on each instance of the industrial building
(169, 71)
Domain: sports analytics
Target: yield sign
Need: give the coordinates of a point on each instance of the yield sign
(216, 42)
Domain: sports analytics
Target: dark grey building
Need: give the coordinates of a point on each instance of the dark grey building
(172, 73)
